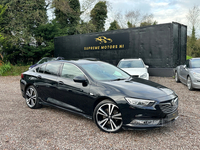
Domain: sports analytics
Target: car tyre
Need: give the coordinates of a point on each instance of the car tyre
(108, 117)
(31, 98)
(177, 77)
(189, 84)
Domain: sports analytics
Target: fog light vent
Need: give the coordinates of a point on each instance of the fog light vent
(145, 122)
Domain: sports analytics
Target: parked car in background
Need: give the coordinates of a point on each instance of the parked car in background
(46, 59)
(100, 91)
(135, 67)
(189, 73)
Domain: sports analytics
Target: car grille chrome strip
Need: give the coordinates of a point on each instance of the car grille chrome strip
(169, 106)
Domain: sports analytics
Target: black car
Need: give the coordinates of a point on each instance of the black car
(100, 91)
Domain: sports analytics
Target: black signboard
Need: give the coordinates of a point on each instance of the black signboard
(118, 41)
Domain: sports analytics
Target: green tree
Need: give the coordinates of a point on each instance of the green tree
(85, 27)
(192, 46)
(198, 48)
(98, 16)
(130, 25)
(22, 17)
(114, 26)
(20, 20)
(147, 20)
(67, 13)
(2, 12)
(44, 46)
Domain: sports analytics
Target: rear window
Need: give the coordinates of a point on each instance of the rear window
(50, 68)
(41, 69)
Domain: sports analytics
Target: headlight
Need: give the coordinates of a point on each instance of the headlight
(140, 102)
(196, 75)
(143, 75)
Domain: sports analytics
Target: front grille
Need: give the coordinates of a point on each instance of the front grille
(169, 106)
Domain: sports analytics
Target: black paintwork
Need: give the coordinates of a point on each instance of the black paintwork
(83, 94)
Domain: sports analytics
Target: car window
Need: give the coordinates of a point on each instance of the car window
(41, 69)
(131, 64)
(104, 71)
(195, 63)
(52, 68)
(70, 71)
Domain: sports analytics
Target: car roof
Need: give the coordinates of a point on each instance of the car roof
(129, 59)
(195, 58)
(80, 61)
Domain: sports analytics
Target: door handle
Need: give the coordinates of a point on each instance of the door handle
(60, 82)
(39, 77)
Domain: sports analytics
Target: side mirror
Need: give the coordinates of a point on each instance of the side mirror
(81, 79)
(184, 66)
(147, 66)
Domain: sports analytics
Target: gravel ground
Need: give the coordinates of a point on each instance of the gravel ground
(50, 128)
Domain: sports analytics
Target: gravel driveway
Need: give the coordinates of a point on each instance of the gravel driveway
(51, 128)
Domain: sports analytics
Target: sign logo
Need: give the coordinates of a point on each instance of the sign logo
(103, 39)
(98, 42)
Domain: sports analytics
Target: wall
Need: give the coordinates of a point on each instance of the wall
(162, 47)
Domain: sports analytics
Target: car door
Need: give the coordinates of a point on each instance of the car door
(46, 80)
(184, 71)
(70, 94)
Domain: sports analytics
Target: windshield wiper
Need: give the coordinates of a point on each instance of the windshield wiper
(118, 79)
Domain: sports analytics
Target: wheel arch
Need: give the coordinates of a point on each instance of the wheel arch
(27, 86)
(100, 99)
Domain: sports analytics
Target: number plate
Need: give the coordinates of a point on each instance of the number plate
(172, 116)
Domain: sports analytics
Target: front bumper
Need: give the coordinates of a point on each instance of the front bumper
(152, 123)
(196, 83)
(163, 112)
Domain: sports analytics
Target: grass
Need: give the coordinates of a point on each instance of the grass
(188, 57)
(14, 70)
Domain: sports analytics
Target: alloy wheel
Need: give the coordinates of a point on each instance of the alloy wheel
(31, 97)
(176, 77)
(109, 118)
(189, 83)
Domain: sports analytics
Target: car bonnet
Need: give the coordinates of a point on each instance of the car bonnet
(141, 89)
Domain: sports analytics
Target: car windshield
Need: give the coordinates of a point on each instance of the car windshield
(195, 63)
(104, 72)
(131, 64)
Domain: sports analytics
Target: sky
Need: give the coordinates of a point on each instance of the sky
(164, 11)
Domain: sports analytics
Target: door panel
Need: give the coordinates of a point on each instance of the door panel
(46, 80)
(70, 94)
(73, 95)
(46, 86)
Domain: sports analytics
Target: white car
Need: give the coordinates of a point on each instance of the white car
(134, 67)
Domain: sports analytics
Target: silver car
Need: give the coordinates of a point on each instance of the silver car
(134, 67)
(189, 73)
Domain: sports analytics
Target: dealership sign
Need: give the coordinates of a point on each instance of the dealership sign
(118, 41)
